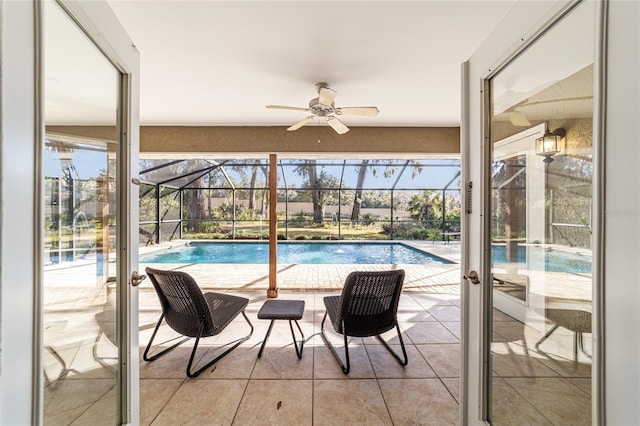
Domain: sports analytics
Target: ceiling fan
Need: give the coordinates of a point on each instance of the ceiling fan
(323, 106)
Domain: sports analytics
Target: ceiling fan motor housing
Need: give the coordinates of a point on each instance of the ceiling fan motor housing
(321, 110)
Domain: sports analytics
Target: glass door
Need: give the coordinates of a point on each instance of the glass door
(86, 361)
(538, 241)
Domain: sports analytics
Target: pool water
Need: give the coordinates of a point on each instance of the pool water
(294, 253)
(554, 260)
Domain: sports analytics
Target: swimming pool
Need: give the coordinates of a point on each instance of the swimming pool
(554, 260)
(294, 253)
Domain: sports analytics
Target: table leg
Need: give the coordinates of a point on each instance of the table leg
(295, 343)
(264, 342)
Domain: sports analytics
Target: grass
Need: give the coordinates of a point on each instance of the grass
(293, 233)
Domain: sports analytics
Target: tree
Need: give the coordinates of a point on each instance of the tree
(363, 169)
(426, 206)
(254, 177)
(195, 205)
(357, 199)
(323, 187)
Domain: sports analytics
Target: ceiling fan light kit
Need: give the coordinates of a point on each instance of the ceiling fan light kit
(324, 107)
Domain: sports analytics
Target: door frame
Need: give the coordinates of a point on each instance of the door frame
(97, 20)
(523, 26)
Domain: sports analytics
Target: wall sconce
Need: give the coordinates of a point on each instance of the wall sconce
(549, 144)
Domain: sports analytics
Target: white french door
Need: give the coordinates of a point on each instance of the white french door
(528, 163)
(88, 359)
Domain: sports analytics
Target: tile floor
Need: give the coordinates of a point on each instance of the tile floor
(530, 386)
(281, 389)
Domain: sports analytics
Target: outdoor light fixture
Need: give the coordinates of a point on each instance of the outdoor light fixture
(548, 144)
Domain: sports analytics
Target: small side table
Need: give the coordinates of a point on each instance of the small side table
(291, 310)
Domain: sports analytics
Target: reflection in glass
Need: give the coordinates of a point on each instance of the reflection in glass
(80, 354)
(540, 360)
(509, 226)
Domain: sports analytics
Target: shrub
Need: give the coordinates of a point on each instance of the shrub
(209, 226)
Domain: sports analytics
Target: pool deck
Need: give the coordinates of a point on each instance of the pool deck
(443, 278)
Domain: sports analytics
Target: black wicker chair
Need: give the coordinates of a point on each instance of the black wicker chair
(367, 307)
(193, 314)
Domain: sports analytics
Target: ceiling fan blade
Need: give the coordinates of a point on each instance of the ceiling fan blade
(326, 96)
(366, 111)
(301, 123)
(337, 125)
(287, 108)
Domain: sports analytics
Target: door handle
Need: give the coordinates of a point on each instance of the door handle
(136, 278)
(473, 277)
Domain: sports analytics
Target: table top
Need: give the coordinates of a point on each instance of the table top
(282, 309)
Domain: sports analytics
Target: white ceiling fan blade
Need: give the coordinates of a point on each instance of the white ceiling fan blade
(365, 111)
(301, 123)
(337, 125)
(287, 108)
(326, 96)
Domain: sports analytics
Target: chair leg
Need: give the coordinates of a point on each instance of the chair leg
(159, 354)
(345, 369)
(219, 357)
(402, 362)
(554, 328)
(581, 344)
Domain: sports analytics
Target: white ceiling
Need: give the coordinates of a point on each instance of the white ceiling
(222, 62)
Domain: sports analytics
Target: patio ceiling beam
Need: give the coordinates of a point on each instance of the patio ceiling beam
(260, 140)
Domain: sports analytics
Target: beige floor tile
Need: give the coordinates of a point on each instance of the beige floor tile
(386, 366)
(510, 331)
(429, 300)
(325, 365)
(560, 401)
(101, 413)
(65, 418)
(238, 364)
(445, 313)
(519, 365)
(154, 394)
(567, 367)
(283, 363)
(238, 329)
(501, 316)
(172, 365)
(276, 402)
(95, 360)
(419, 402)
(391, 336)
(509, 408)
(200, 402)
(453, 327)
(348, 402)
(429, 332)
(583, 383)
(413, 314)
(281, 332)
(65, 396)
(444, 359)
(453, 384)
